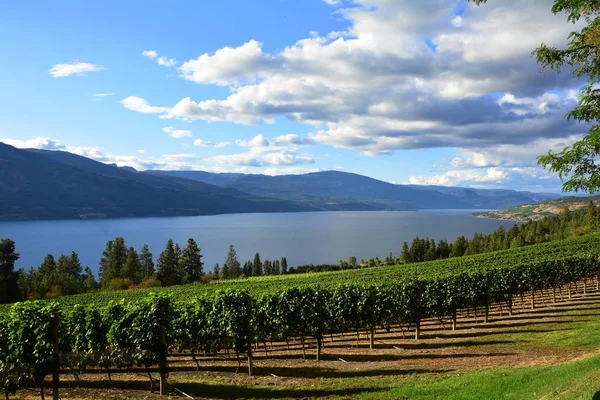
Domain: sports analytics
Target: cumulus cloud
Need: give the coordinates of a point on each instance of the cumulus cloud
(403, 75)
(227, 65)
(205, 143)
(460, 177)
(261, 159)
(177, 133)
(258, 141)
(141, 105)
(293, 139)
(164, 61)
(73, 68)
(42, 143)
(151, 54)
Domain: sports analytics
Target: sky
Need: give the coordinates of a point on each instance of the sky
(424, 92)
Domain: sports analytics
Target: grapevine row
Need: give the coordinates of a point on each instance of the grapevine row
(142, 333)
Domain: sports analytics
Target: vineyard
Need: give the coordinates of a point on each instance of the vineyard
(143, 330)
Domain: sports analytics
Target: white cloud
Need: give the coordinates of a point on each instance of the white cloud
(141, 151)
(102, 95)
(226, 65)
(260, 159)
(293, 139)
(73, 68)
(457, 21)
(258, 141)
(166, 62)
(141, 105)
(177, 133)
(151, 54)
(42, 143)
(289, 171)
(204, 143)
(178, 157)
(461, 177)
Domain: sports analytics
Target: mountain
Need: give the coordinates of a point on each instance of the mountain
(39, 184)
(335, 190)
(528, 212)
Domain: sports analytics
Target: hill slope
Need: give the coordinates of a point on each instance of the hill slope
(528, 212)
(334, 190)
(37, 184)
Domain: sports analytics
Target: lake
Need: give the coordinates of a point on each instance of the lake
(304, 238)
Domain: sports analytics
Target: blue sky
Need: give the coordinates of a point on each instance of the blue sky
(432, 92)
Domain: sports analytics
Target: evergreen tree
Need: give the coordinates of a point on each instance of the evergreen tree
(169, 273)
(232, 264)
(133, 267)
(45, 275)
(247, 269)
(217, 271)
(268, 268)
(257, 267)
(113, 260)
(405, 254)
(351, 262)
(591, 214)
(459, 247)
(191, 262)
(89, 282)
(147, 262)
(9, 287)
(284, 266)
(276, 268)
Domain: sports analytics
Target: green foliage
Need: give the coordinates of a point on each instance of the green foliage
(190, 262)
(169, 272)
(9, 289)
(231, 267)
(113, 259)
(147, 262)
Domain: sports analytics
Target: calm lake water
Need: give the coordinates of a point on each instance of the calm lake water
(304, 238)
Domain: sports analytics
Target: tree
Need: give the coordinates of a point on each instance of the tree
(267, 268)
(591, 214)
(257, 267)
(231, 266)
(89, 282)
(168, 266)
(113, 260)
(284, 266)
(352, 261)
(459, 247)
(217, 271)
(247, 269)
(9, 287)
(147, 262)
(133, 267)
(405, 256)
(191, 262)
(276, 268)
(577, 163)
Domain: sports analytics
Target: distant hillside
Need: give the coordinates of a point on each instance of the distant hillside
(335, 190)
(38, 184)
(537, 211)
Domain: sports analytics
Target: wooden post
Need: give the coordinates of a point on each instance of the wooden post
(162, 362)
(250, 360)
(319, 340)
(533, 299)
(418, 329)
(372, 339)
(454, 320)
(486, 314)
(303, 349)
(553, 295)
(597, 282)
(570, 293)
(585, 286)
(510, 305)
(55, 356)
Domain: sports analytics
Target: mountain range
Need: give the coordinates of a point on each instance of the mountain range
(42, 184)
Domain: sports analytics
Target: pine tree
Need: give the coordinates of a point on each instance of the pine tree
(217, 271)
(257, 267)
(232, 264)
(592, 214)
(89, 282)
(9, 287)
(247, 269)
(168, 266)
(191, 262)
(267, 268)
(276, 268)
(113, 260)
(147, 263)
(133, 267)
(284, 266)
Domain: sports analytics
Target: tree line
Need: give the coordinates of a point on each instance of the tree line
(123, 267)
